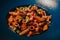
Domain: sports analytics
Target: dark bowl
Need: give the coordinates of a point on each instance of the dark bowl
(53, 33)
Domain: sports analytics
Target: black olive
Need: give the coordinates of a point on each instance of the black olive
(20, 23)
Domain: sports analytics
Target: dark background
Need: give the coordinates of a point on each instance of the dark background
(53, 32)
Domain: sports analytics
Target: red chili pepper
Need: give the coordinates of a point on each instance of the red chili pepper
(23, 26)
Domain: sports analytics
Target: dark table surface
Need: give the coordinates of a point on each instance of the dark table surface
(53, 32)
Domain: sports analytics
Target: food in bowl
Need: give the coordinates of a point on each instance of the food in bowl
(29, 20)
